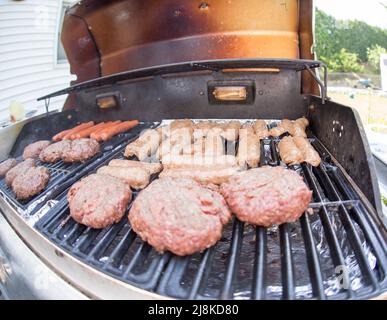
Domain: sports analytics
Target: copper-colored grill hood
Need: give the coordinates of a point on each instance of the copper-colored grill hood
(106, 37)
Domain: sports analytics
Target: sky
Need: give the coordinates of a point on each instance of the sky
(370, 11)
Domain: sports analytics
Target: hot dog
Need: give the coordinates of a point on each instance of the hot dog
(85, 133)
(59, 136)
(77, 129)
(108, 133)
(95, 134)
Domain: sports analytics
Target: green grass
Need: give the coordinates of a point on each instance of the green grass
(384, 200)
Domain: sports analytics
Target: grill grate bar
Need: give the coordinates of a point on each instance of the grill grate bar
(334, 246)
(352, 234)
(63, 175)
(312, 258)
(259, 285)
(201, 273)
(119, 251)
(130, 260)
(105, 241)
(236, 243)
(286, 263)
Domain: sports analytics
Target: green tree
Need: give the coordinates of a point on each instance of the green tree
(343, 61)
(332, 35)
(373, 55)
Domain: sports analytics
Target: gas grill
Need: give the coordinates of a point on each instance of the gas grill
(336, 250)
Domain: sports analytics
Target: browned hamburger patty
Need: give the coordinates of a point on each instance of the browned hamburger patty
(267, 195)
(30, 182)
(18, 169)
(53, 152)
(81, 150)
(34, 149)
(179, 215)
(98, 200)
(7, 165)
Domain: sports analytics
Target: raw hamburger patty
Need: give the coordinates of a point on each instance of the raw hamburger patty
(53, 152)
(34, 149)
(81, 150)
(7, 165)
(98, 200)
(179, 215)
(30, 182)
(18, 169)
(267, 195)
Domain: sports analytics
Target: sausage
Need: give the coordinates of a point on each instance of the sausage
(277, 131)
(204, 176)
(95, 134)
(137, 178)
(249, 150)
(214, 145)
(303, 122)
(199, 162)
(199, 146)
(180, 123)
(77, 129)
(59, 136)
(145, 145)
(202, 128)
(109, 132)
(260, 129)
(310, 155)
(295, 128)
(289, 152)
(151, 168)
(85, 133)
(231, 130)
(181, 136)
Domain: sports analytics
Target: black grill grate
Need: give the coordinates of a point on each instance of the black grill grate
(63, 175)
(297, 260)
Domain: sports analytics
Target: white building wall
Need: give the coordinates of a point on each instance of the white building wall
(28, 54)
(383, 71)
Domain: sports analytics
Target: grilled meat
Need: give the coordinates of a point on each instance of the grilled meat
(30, 182)
(98, 201)
(249, 148)
(7, 165)
(18, 169)
(230, 130)
(150, 168)
(34, 149)
(267, 196)
(296, 128)
(289, 152)
(207, 175)
(260, 129)
(54, 152)
(137, 178)
(145, 145)
(214, 144)
(80, 150)
(309, 154)
(199, 162)
(179, 215)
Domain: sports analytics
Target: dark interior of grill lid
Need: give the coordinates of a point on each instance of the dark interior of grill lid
(335, 251)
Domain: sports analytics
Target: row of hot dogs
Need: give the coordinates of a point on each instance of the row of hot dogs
(102, 131)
